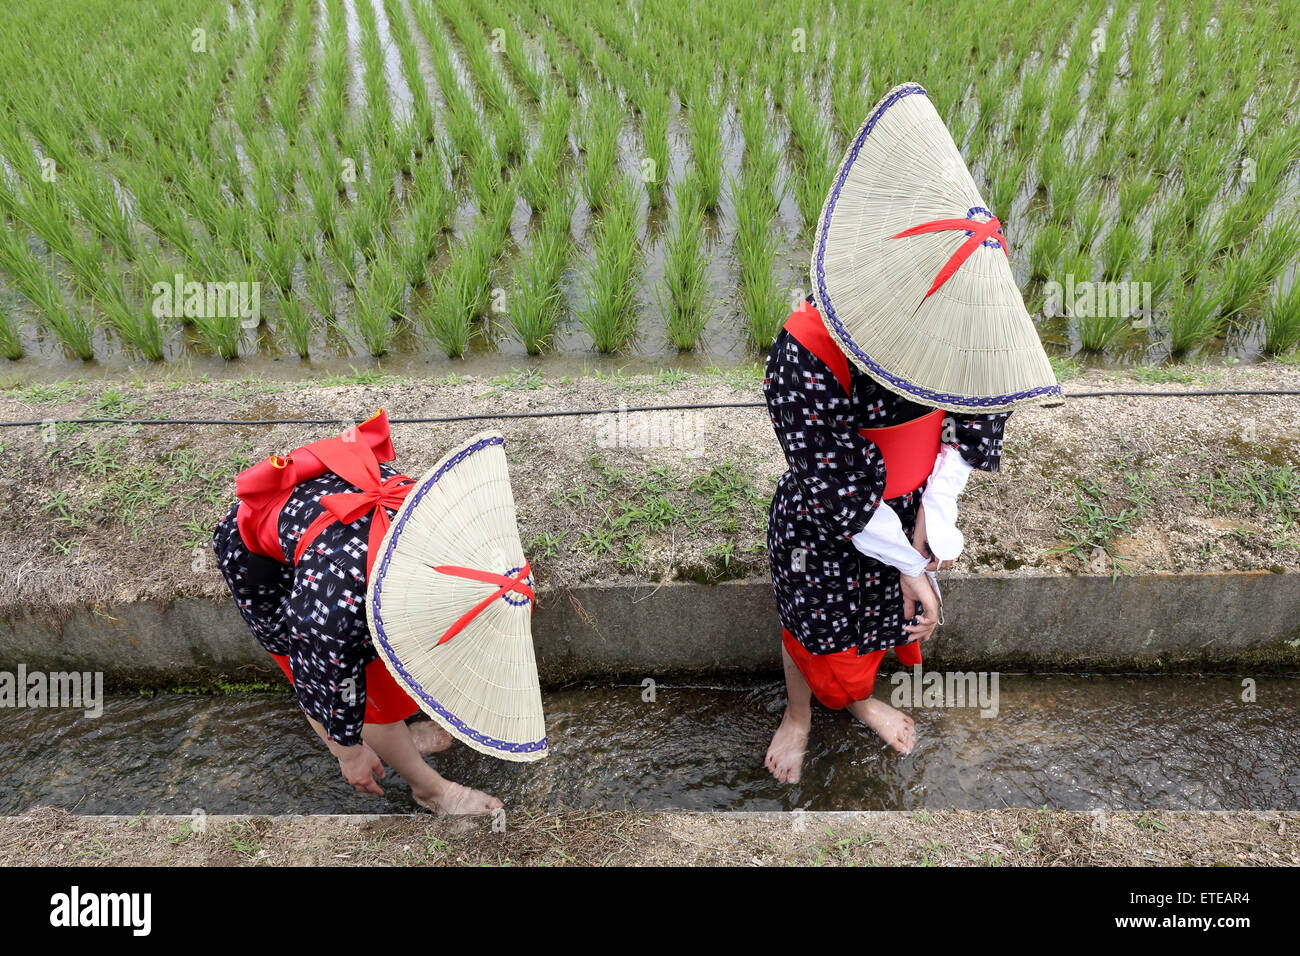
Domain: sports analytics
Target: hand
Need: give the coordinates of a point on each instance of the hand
(360, 765)
(922, 544)
(917, 591)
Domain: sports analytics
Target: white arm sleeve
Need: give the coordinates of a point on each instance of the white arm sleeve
(883, 539)
(947, 481)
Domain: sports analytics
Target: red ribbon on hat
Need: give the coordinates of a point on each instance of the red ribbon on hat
(980, 231)
(508, 584)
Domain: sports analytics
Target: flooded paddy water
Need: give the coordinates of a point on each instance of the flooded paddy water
(1066, 742)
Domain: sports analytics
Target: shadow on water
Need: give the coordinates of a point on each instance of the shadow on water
(1066, 742)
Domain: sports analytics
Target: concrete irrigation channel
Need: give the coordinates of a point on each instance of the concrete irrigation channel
(1148, 669)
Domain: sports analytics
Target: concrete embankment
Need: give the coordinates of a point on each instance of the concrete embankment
(1170, 622)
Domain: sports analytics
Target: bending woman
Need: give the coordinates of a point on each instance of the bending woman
(300, 582)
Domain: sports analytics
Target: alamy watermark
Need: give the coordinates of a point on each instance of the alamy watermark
(208, 300)
(1088, 299)
(682, 430)
(75, 908)
(72, 689)
(917, 688)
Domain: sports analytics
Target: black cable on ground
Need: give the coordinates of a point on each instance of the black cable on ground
(555, 413)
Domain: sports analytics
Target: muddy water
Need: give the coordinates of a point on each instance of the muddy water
(1068, 742)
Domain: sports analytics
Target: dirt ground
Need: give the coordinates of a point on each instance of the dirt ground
(1090, 485)
(49, 837)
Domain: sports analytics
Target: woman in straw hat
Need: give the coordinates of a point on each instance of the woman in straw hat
(297, 550)
(886, 388)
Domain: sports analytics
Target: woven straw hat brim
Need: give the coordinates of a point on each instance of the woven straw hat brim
(481, 684)
(971, 345)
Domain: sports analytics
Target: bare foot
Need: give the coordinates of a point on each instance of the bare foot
(893, 726)
(429, 737)
(454, 798)
(785, 754)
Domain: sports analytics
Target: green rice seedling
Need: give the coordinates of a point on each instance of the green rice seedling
(323, 192)
(11, 343)
(422, 119)
(1088, 220)
(378, 301)
(1194, 318)
(815, 168)
(1049, 244)
(600, 144)
(464, 129)
(459, 294)
(1030, 108)
(374, 324)
(557, 222)
(386, 275)
(285, 98)
(535, 294)
(320, 290)
(280, 253)
(754, 121)
(1093, 321)
(1163, 270)
(1135, 193)
(223, 331)
(295, 324)
(509, 132)
(1277, 248)
(42, 211)
(416, 246)
(432, 194)
(704, 120)
(68, 323)
(1098, 332)
(1004, 186)
(373, 77)
(533, 82)
(369, 220)
(1200, 250)
(683, 297)
(1199, 186)
(849, 101)
(610, 278)
(1282, 321)
(473, 259)
(484, 179)
(1065, 182)
(135, 323)
(654, 132)
(811, 186)
(763, 301)
(499, 213)
(333, 70)
(102, 211)
(538, 177)
(345, 253)
(1243, 280)
(1120, 250)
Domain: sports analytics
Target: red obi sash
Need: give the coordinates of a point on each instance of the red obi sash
(909, 449)
(354, 456)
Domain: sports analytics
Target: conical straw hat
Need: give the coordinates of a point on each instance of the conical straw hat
(965, 343)
(454, 547)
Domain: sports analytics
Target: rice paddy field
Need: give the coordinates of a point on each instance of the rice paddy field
(322, 181)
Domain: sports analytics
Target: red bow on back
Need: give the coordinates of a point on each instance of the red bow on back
(355, 463)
